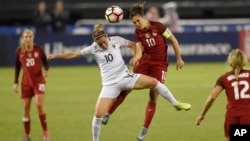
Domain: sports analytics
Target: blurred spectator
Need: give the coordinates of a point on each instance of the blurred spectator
(171, 16)
(41, 18)
(60, 18)
(153, 14)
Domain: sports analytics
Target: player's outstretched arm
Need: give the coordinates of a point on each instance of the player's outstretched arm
(66, 55)
(209, 102)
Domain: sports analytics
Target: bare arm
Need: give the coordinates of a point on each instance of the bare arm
(132, 46)
(137, 52)
(209, 102)
(66, 55)
(175, 43)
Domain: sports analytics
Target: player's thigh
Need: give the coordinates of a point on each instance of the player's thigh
(106, 98)
(228, 121)
(110, 91)
(158, 71)
(27, 91)
(142, 67)
(145, 81)
(39, 90)
(245, 119)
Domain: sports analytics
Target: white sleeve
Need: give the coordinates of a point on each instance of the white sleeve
(120, 40)
(86, 50)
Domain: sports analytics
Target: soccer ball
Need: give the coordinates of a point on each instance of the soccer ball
(114, 14)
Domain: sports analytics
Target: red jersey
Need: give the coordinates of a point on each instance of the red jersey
(153, 42)
(31, 62)
(238, 92)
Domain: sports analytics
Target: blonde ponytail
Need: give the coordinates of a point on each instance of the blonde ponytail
(237, 60)
(98, 31)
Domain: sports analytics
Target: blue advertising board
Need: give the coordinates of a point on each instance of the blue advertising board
(206, 47)
(195, 47)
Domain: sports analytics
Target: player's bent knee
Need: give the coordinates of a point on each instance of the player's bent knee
(99, 114)
(153, 82)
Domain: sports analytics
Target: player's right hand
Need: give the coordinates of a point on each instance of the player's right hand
(199, 119)
(15, 87)
(51, 57)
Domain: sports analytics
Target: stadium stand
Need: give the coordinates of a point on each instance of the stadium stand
(18, 12)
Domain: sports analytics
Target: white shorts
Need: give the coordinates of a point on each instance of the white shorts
(127, 82)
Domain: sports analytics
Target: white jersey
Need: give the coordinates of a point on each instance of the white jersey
(110, 60)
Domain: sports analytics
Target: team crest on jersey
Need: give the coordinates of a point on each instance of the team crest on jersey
(147, 35)
(36, 54)
(154, 34)
(29, 55)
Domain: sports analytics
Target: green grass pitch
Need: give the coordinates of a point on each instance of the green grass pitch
(72, 91)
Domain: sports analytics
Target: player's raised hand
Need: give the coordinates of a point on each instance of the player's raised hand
(15, 87)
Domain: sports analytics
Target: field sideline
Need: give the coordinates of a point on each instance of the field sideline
(71, 93)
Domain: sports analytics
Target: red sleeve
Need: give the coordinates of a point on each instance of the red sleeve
(17, 65)
(219, 82)
(44, 59)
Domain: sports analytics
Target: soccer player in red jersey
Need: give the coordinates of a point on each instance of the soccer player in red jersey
(236, 85)
(152, 37)
(31, 58)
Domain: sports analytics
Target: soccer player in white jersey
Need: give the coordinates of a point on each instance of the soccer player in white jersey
(116, 76)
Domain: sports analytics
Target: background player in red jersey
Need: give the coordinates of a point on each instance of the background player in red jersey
(31, 57)
(236, 84)
(151, 36)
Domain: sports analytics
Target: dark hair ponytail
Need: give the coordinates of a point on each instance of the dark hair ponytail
(137, 9)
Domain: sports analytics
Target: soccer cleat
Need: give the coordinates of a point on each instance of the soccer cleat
(46, 136)
(183, 106)
(105, 118)
(142, 134)
(26, 138)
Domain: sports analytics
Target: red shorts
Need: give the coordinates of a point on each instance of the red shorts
(244, 119)
(29, 91)
(153, 68)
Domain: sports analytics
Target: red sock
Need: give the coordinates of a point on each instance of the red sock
(118, 101)
(27, 127)
(43, 122)
(149, 114)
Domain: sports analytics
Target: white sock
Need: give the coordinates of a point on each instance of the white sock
(165, 92)
(25, 119)
(96, 128)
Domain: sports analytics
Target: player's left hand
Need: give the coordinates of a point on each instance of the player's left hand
(45, 73)
(179, 64)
